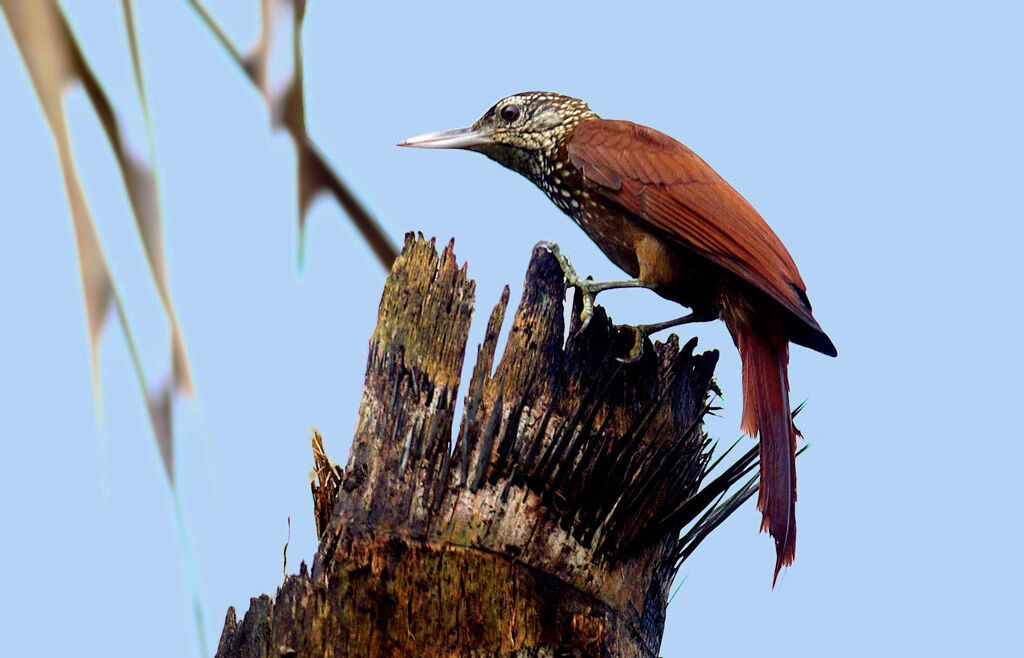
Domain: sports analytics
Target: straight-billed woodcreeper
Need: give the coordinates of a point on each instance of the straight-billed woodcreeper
(663, 215)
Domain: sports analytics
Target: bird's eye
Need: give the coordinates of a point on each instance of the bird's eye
(510, 113)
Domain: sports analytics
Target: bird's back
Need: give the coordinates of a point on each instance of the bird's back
(675, 194)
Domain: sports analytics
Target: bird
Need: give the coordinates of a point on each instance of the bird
(675, 226)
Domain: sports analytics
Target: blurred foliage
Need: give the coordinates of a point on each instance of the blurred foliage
(55, 62)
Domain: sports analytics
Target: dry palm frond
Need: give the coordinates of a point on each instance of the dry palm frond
(287, 111)
(324, 481)
(144, 196)
(54, 62)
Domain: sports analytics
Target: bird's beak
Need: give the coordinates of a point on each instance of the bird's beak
(462, 138)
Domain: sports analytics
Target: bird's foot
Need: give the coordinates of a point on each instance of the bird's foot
(642, 331)
(587, 286)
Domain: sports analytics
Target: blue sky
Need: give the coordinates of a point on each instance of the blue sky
(881, 141)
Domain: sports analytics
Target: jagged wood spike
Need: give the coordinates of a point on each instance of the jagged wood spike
(537, 475)
(397, 423)
(446, 455)
(397, 385)
(538, 438)
(564, 465)
(563, 439)
(508, 485)
(414, 381)
(507, 452)
(442, 480)
(591, 458)
(670, 524)
(644, 498)
(487, 441)
(590, 519)
(651, 456)
(657, 524)
(584, 482)
(416, 445)
(503, 453)
(468, 419)
(693, 472)
(625, 473)
(625, 512)
(407, 449)
(642, 491)
(428, 446)
(636, 432)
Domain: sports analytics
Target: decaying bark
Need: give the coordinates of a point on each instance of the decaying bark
(551, 528)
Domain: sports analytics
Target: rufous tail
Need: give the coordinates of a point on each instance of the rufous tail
(764, 350)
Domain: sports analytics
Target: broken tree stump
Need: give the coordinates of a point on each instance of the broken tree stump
(555, 523)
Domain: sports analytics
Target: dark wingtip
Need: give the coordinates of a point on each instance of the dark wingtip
(815, 339)
(805, 331)
(802, 295)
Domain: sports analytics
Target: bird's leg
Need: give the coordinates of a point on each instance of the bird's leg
(588, 287)
(642, 331)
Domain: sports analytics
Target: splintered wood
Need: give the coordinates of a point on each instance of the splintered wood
(555, 522)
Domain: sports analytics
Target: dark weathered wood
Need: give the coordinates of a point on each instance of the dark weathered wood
(550, 527)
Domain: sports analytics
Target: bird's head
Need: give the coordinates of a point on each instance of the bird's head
(518, 131)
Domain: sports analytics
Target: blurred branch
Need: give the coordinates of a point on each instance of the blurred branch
(287, 110)
(54, 62)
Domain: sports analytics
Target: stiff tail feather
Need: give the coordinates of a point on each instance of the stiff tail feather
(764, 350)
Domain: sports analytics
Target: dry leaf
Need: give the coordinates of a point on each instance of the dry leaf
(54, 62)
(325, 480)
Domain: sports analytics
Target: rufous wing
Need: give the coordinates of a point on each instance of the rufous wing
(671, 189)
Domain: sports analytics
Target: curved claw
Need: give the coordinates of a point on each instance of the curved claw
(637, 351)
(587, 312)
(584, 324)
